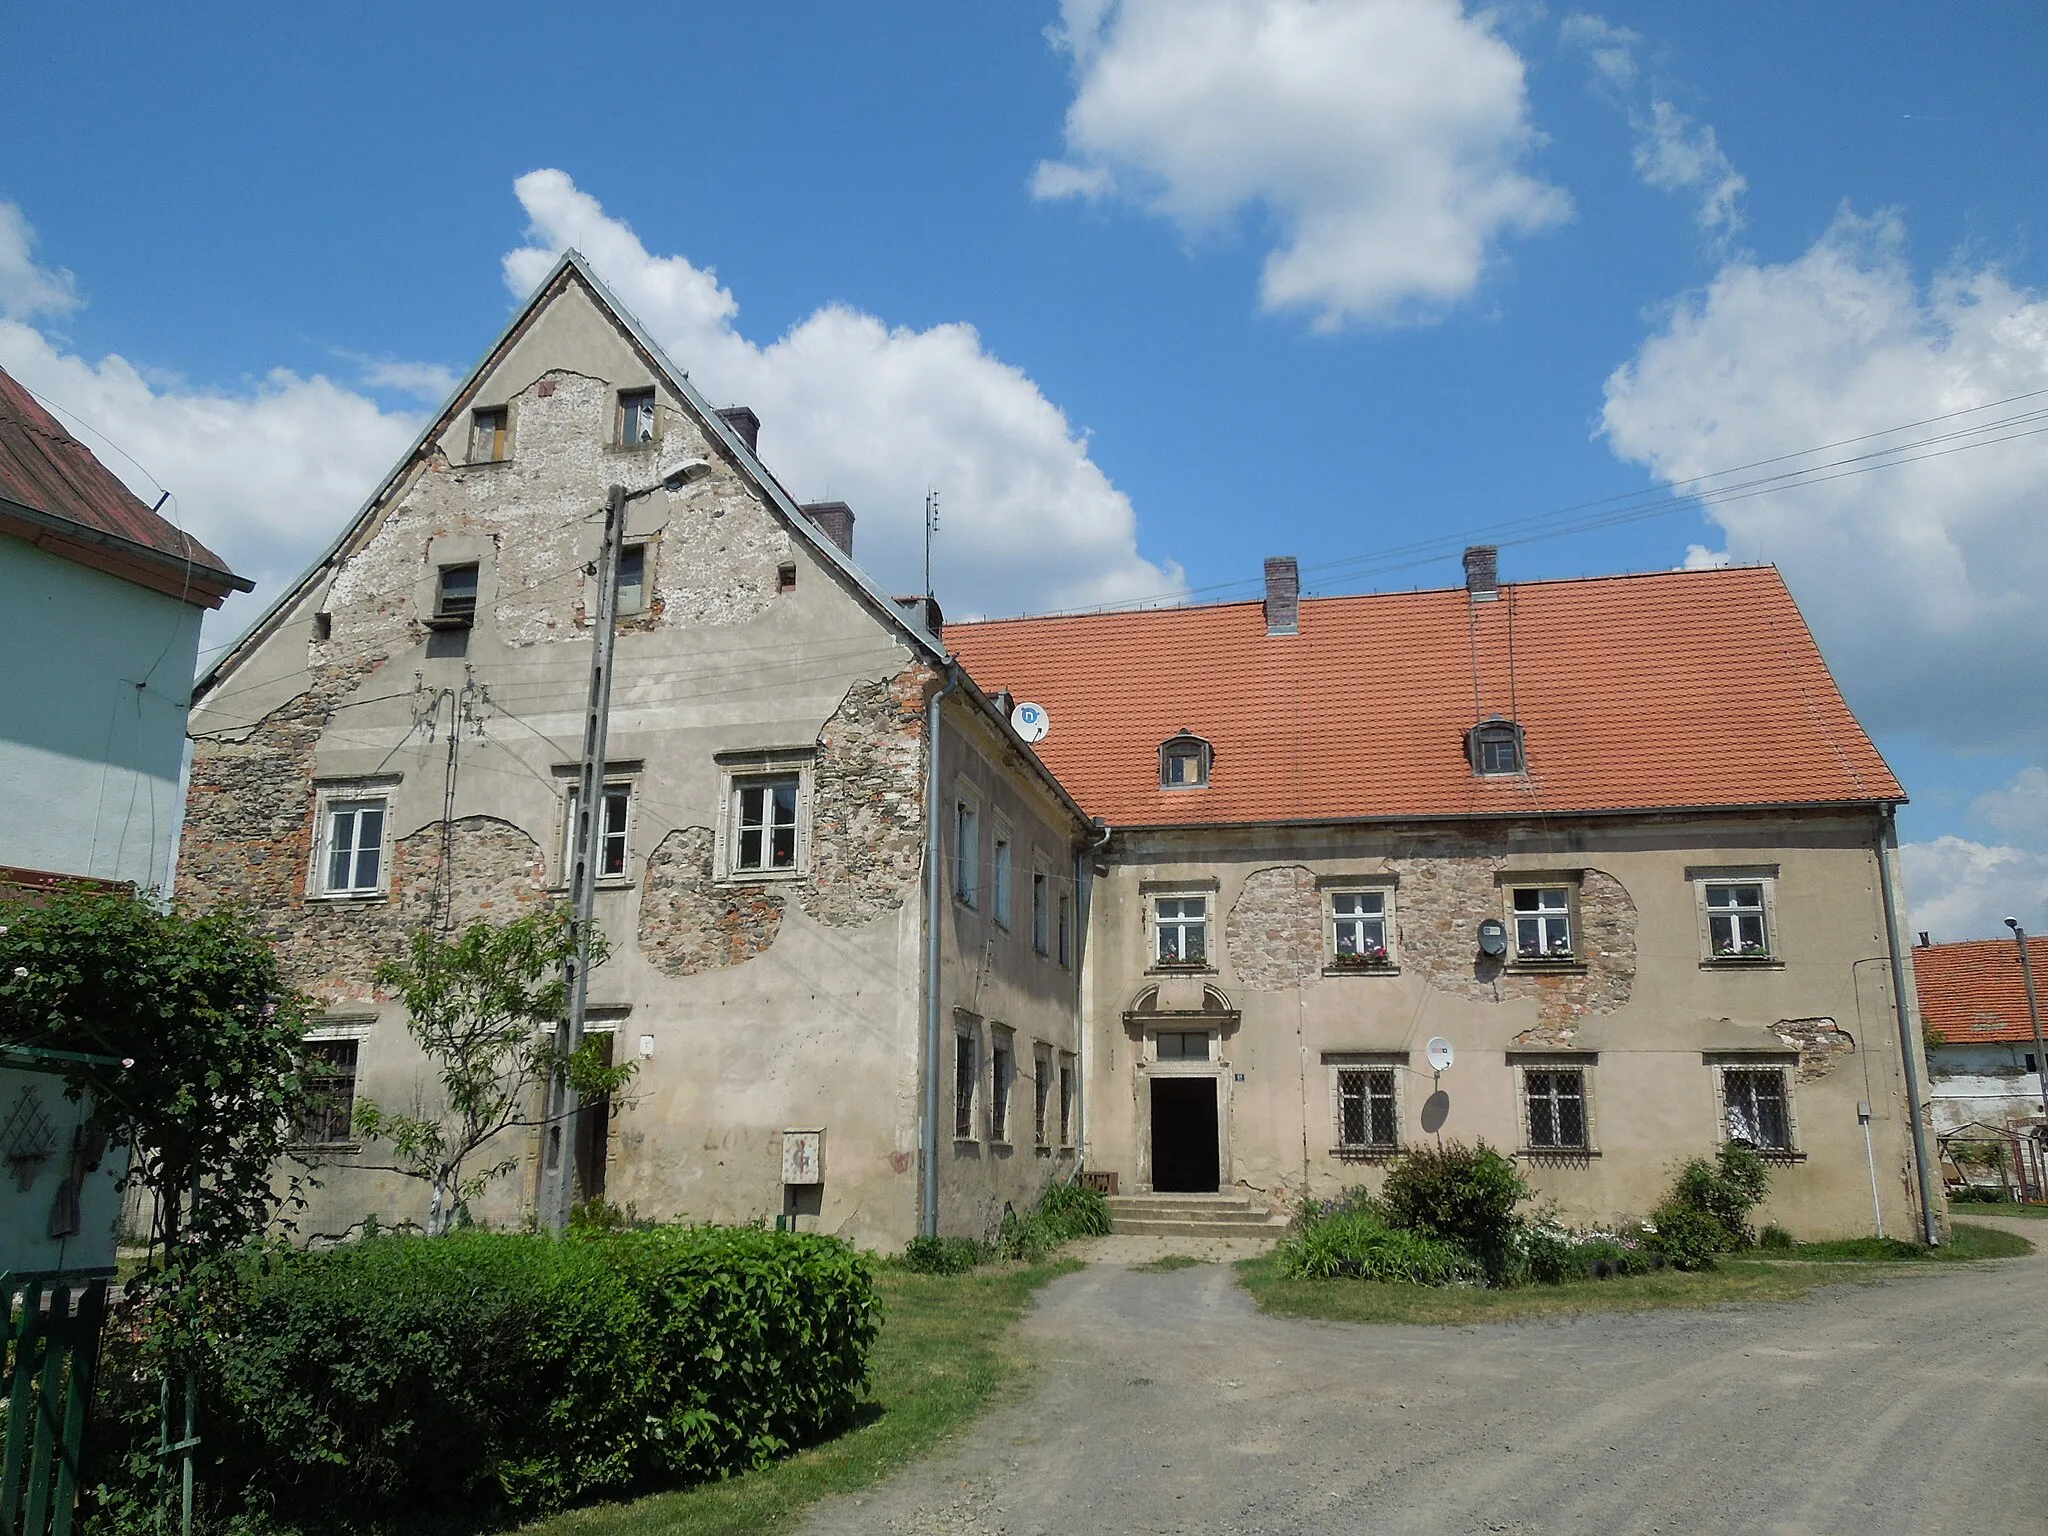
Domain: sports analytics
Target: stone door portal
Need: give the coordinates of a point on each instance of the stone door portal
(1184, 1135)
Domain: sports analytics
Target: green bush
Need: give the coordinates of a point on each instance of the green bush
(494, 1372)
(941, 1255)
(1687, 1236)
(1028, 1237)
(1775, 1239)
(1355, 1245)
(1462, 1195)
(1550, 1254)
(1726, 1189)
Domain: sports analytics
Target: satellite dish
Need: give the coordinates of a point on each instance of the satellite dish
(1440, 1054)
(1493, 937)
(1030, 722)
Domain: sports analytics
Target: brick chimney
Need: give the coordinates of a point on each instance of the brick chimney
(834, 519)
(1482, 572)
(1283, 596)
(741, 419)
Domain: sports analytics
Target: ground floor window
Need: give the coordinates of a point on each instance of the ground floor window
(1066, 1101)
(327, 1114)
(1000, 1059)
(966, 1074)
(1757, 1109)
(1556, 1101)
(1041, 1093)
(1365, 1108)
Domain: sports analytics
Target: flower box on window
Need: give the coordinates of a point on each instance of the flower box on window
(1363, 960)
(1737, 950)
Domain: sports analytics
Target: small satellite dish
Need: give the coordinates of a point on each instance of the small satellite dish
(1030, 721)
(1440, 1054)
(1493, 937)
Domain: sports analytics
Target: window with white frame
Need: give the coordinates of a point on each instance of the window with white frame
(611, 839)
(764, 823)
(351, 859)
(1554, 1107)
(999, 876)
(1002, 1074)
(1067, 1082)
(967, 852)
(1041, 909)
(1367, 1118)
(1543, 922)
(1359, 928)
(1756, 1107)
(1041, 1093)
(966, 1078)
(1180, 930)
(1737, 925)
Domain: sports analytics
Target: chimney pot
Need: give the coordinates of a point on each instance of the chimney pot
(834, 519)
(741, 419)
(1283, 596)
(1482, 572)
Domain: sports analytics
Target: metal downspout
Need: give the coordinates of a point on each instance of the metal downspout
(934, 908)
(1909, 1048)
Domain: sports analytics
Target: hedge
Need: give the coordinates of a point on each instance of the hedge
(492, 1371)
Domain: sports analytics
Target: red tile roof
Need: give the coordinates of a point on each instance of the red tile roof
(1677, 690)
(1973, 992)
(54, 493)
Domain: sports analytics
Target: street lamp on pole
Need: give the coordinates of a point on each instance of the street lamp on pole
(558, 1143)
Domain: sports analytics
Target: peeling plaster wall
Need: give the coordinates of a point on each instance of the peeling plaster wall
(1641, 1002)
(760, 1006)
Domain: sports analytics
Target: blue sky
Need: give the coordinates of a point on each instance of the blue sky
(1149, 290)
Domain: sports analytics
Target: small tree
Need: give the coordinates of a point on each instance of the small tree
(481, 1006)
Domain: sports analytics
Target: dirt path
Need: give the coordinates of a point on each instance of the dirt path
(1165, 1402)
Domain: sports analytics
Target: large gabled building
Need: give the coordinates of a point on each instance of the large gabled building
(1619, 842)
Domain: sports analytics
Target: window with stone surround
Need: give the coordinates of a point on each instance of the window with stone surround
(1365, 1102)
(1359, 927)
(999, 874)
(1002, 1061)
(764, 832)
(966, 1077)
(1041, 1093)
(1542, 922)
(967, 851)
(1067, 1084)
(353, 857)
(1555, 1114)
(326, 1114)
(1180, 927)
(1041, 906)
(1737, 909)
(764, 823)
(612, 845)
(1757, 1107)
(1066, 929)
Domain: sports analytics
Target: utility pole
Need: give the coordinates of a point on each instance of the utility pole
(558, 1147)
(2019, 935)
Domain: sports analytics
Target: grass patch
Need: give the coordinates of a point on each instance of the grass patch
(940, 1359)
(1750, 1277)
(1169, 1262)
(1965, 1209)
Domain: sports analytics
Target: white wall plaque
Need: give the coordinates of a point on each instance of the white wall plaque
(803, 1157)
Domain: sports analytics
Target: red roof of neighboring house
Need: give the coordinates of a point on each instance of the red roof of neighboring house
(1677, 690)
(1974, 993)
(55, 494)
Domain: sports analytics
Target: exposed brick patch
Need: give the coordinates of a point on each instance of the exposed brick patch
(1822, 1044)
(690, 923)
(1274, 933)
(867, 803)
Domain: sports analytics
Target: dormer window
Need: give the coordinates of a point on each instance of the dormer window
(1184, 762)
(1495, 747)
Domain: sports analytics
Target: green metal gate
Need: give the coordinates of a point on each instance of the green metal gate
(49, 1352)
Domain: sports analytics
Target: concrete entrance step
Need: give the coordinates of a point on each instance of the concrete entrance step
(1268, 1229)
(1185, 1215)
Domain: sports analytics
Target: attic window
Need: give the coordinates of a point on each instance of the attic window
(636, 417)
(455, 599)
(1495, 747)
(487, 436)
(1184, 762)
(632, 580)
(785, 576)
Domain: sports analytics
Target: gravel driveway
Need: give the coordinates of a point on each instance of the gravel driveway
(1165, 1402)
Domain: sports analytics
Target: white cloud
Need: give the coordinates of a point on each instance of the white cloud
(428, 382)
(1700, 558)
(28, 290)
(1384, 138)
(264, 476)
(1923, 583)
(2019, 810)
(854, 410)
(1957, 889)
(1673, 152)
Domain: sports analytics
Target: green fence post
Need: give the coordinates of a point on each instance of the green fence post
(85, 1360)
(20, 1401)
(36, 1507)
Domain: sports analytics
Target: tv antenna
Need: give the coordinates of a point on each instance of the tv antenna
(931, 528)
